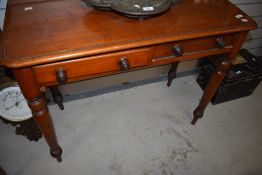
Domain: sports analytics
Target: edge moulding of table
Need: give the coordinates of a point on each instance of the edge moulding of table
(48, 43)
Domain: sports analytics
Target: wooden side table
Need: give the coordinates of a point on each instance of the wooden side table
(47, 43)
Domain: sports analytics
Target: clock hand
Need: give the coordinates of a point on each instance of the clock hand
(16, 104)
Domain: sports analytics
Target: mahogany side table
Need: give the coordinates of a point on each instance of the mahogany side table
(52, 42)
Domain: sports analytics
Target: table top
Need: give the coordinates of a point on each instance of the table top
(44, 31)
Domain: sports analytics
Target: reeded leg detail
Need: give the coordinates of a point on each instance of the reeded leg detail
(57, 97)
(172, 73)
(222, 65)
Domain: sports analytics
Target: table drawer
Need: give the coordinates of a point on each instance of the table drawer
(67, 71)
(192, 47)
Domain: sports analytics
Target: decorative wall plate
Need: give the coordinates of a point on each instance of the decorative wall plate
(133, 8)
(141, 7)
(100, 4)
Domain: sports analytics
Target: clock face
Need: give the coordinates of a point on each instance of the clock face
(13, 105)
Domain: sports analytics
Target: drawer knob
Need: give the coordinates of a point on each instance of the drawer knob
(178, 50)
(124, 64)
(61, 75)
(220, 43)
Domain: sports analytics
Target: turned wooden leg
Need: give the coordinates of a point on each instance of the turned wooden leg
(37, 103)
(57, 97)
(172, 73)
(222, 65)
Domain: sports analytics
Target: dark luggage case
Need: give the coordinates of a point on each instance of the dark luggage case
(240, 81)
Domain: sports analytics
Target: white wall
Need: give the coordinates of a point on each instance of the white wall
(254, 9)
(2, 12)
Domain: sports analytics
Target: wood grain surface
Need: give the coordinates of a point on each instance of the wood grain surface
(63, 29)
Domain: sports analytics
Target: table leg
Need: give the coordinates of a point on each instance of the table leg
(37, 103)
(57, 97)
(222, 65)
(172, 73)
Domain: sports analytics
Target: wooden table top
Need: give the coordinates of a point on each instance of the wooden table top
(49, 31)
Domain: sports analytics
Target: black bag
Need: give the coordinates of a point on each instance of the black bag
(240, 81)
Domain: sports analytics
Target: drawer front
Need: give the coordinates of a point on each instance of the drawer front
(192, 47)
(91, 66)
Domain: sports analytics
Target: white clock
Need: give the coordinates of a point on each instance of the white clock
(13, 105)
